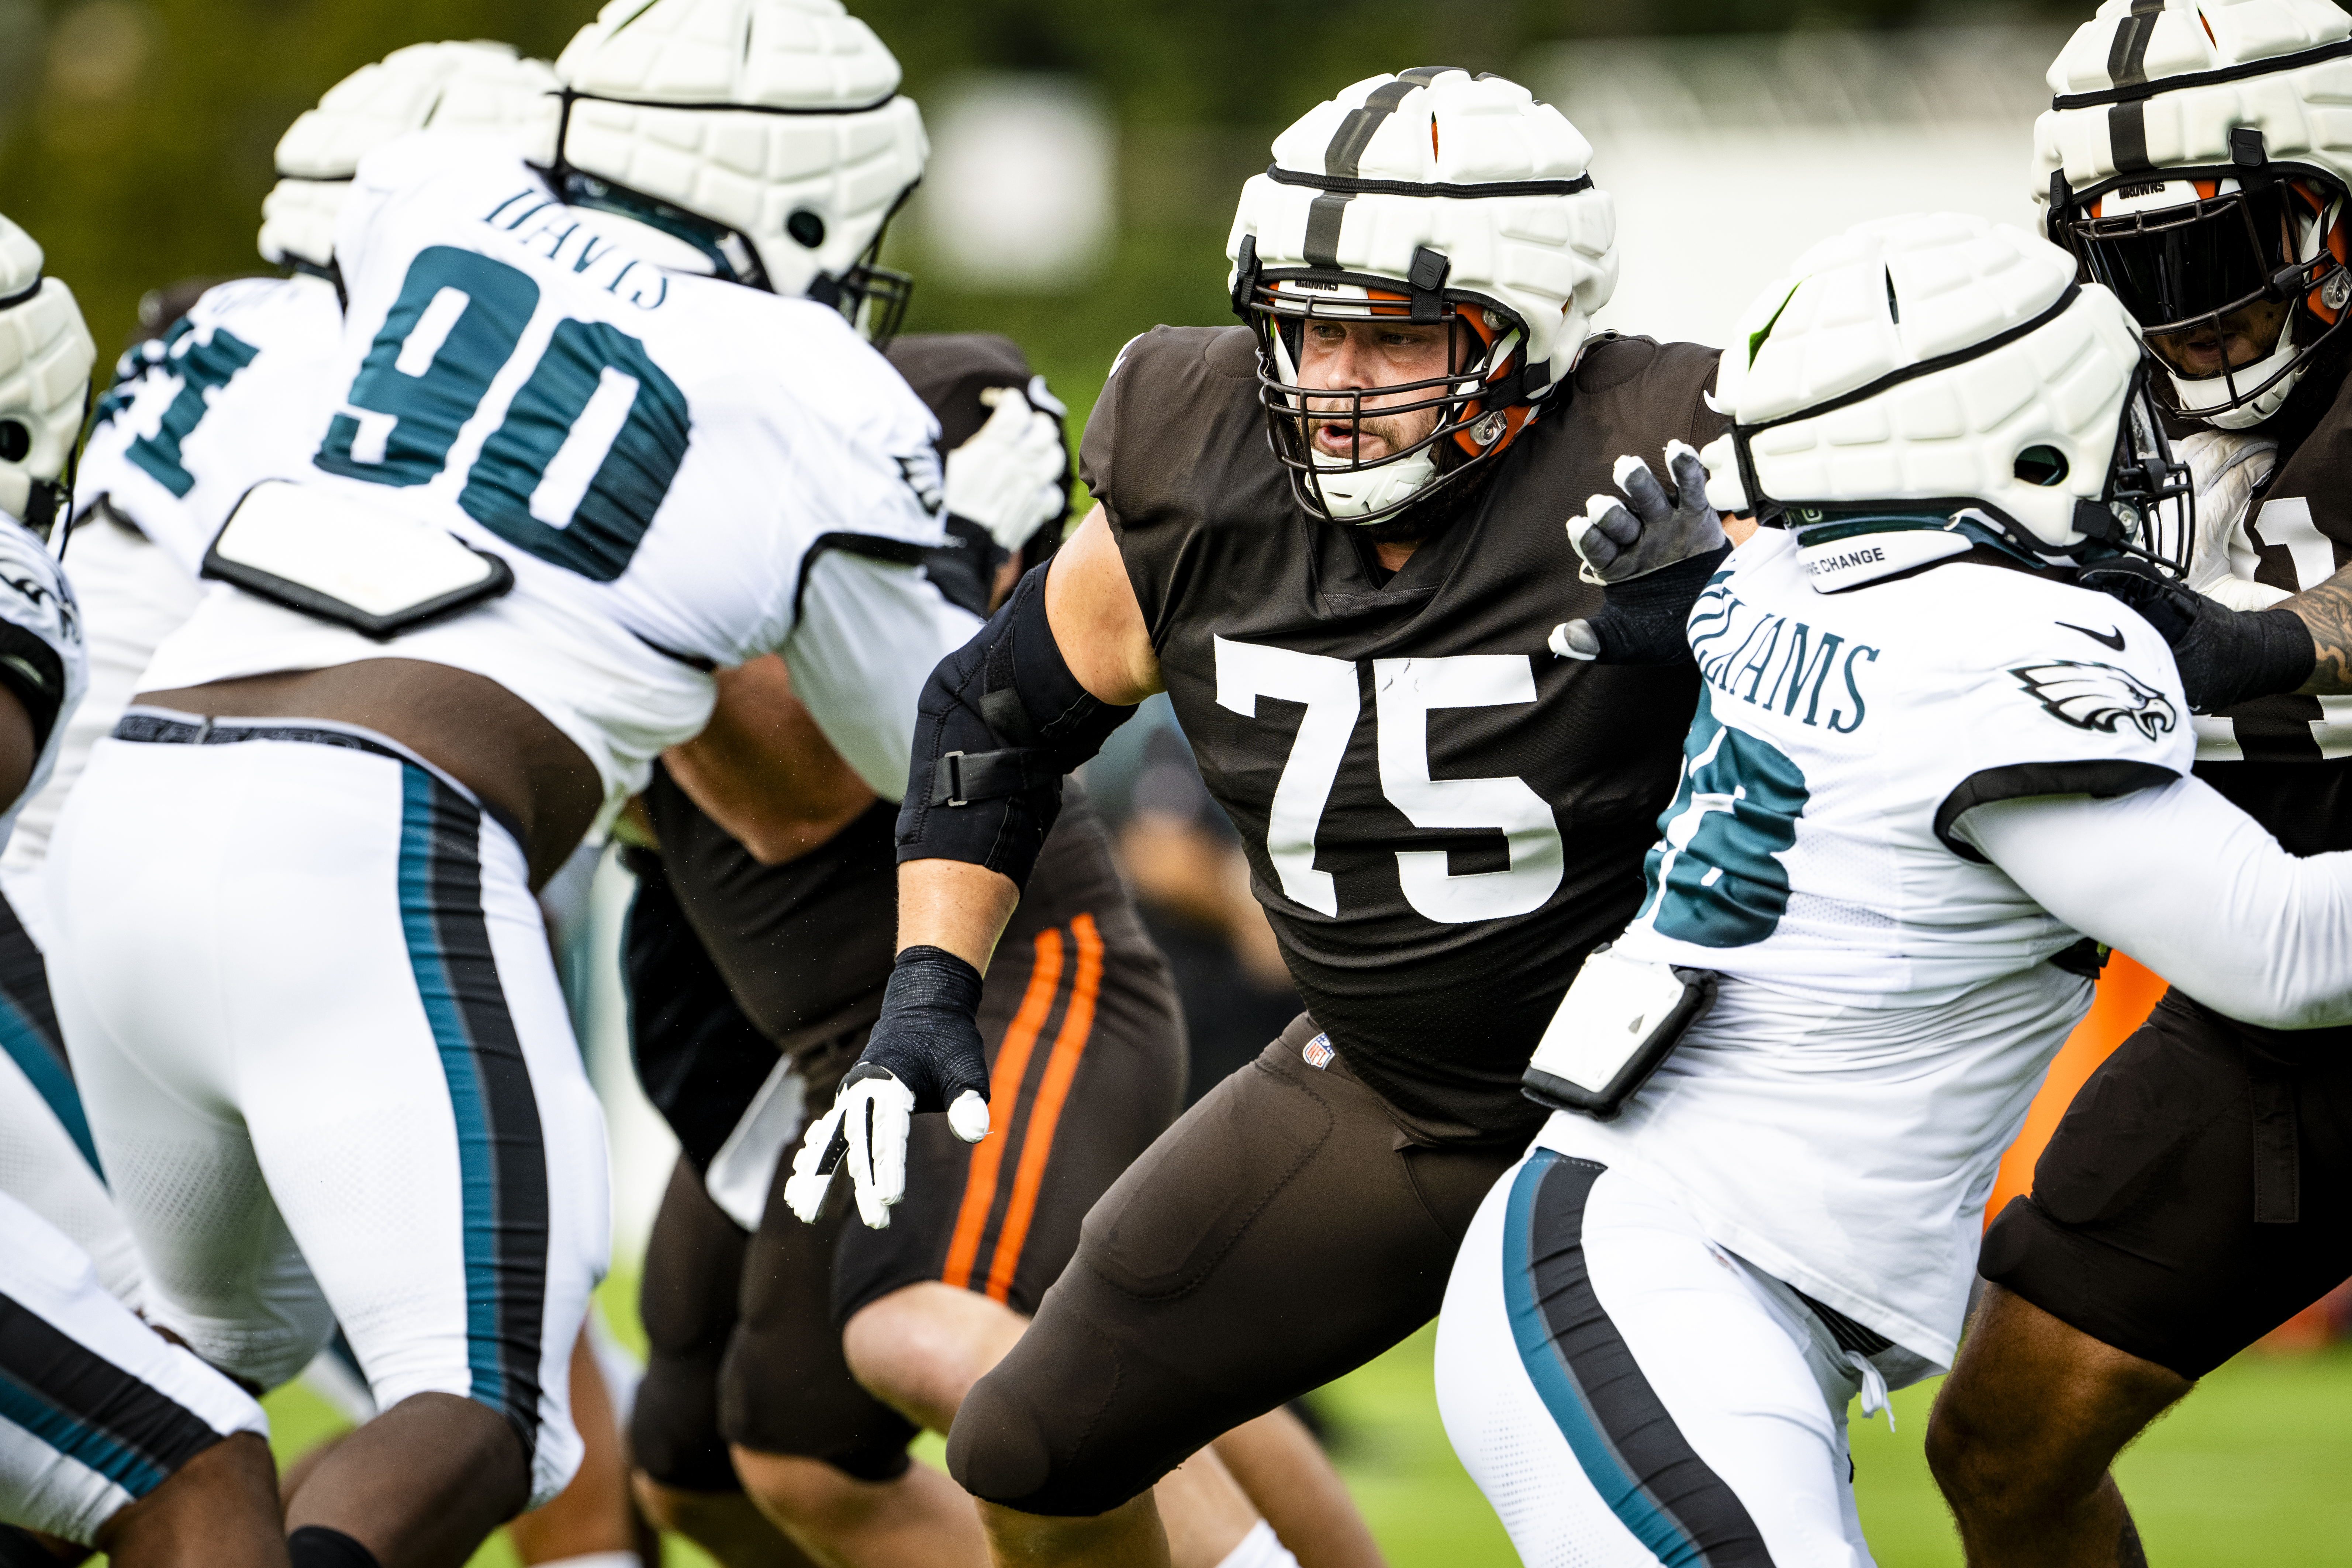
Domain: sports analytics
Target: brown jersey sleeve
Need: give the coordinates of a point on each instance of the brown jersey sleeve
(1643, 392)
(1196, 454)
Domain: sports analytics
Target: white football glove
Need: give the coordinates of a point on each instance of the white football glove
(2225, 468)
(924, 1054)
(1008, 477)
(867, 1131)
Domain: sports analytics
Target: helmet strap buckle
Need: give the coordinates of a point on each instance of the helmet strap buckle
(1246, 272)
(1425, 281)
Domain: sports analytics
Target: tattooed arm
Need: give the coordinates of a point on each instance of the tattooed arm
(2327, 610)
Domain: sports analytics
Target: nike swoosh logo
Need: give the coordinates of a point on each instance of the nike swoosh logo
(2114, 640)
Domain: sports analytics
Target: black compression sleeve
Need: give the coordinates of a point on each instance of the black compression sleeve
(1000, 722)
(31, 670)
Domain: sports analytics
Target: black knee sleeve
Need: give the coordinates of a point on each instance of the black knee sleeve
(1001, 720)
(316, 1546)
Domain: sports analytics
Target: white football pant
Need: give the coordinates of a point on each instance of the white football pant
(312, 1006)
(1627, 1394)
(97, 1410)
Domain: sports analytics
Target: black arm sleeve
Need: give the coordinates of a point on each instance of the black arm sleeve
(30, 668)
(1000, 722)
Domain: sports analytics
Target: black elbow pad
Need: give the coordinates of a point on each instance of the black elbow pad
(1000, 722)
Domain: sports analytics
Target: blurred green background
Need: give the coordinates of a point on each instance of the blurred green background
(135, 135)
(135, 141)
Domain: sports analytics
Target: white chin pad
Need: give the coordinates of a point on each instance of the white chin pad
(2200, 399)
(1373, 489)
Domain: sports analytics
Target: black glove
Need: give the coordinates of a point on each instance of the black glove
(924, 1054)
(1652, 553)
(2226, 656)
(1644, 620)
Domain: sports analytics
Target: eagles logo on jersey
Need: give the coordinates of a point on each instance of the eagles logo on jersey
(2097, 696)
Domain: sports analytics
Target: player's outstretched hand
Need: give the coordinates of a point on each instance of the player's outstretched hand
(2226, 656)
(1008, 477)
(1652, 553)
(924, 1054)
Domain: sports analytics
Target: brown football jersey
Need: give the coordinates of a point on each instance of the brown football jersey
(1442, 816)
(2296, 777)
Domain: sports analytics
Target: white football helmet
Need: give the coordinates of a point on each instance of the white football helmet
(479, 87)
(45, 354)
(769, 135)
(1436, 197)
(1936, 382)
(2196, 159)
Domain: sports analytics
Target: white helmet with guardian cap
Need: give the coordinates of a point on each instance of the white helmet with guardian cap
(2196, 159)
(1933, 383)
(769, 135)
(1434, 197)
(480, 87)
(45, 354)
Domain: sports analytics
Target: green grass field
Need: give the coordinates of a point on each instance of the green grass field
(2250, 1470)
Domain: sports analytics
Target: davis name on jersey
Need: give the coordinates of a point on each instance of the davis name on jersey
(1840, 736)
(682, 473)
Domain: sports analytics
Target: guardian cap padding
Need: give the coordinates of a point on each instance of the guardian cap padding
(45, 354)
(773, 129)
(478, 87)
(1943, 375)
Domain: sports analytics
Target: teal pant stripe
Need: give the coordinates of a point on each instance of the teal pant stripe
(477, 1169)
(77, 1439)
(38, 1061)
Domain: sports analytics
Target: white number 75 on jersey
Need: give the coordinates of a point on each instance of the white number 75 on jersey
(1406, 691)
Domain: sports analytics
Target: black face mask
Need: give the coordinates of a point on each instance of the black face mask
(2215, 284)
(2180, 263)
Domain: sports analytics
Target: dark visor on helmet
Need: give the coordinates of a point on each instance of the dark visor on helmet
(2190, 260)
(2214, 283)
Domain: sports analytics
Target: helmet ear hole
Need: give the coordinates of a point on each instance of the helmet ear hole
(806, 228)
(15, 441)
(2043, 466)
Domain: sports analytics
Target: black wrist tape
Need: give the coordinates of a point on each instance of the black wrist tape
(927, 1036)
(1000, 722)
(2270, 652)
(1646, 620)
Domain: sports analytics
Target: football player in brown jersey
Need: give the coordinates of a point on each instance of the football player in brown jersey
(790, 1367)
(2199, 1190)
(1334, 536)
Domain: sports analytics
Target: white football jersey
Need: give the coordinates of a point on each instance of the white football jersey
(1838, 738)
(1887, 1007)
(196, 414)
(681, 473)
